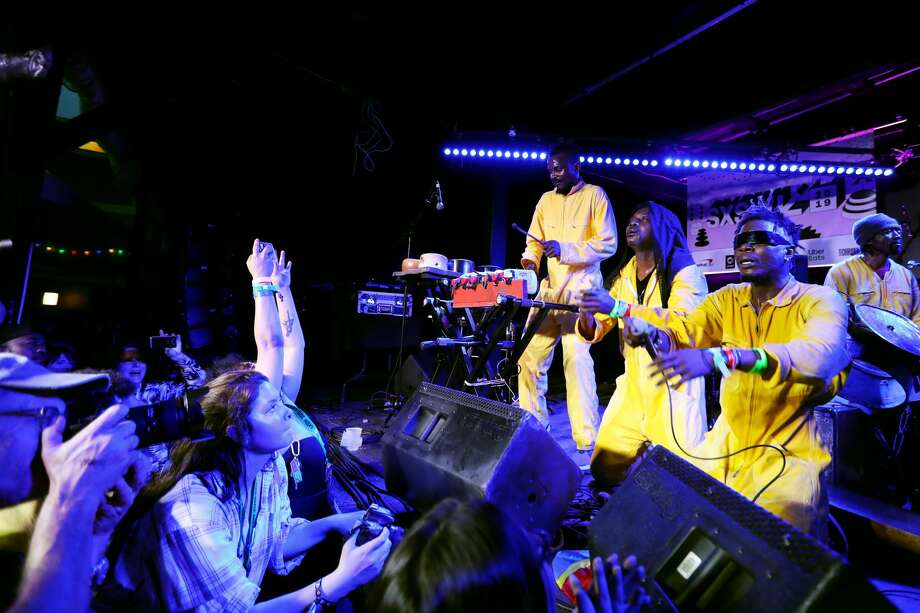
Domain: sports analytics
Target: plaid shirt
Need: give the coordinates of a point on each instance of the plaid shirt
(186, 553)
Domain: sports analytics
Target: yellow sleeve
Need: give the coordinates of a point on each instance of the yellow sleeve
(533, 251)
(836, 279)
(702, 327)
(819, 352)
(603, 323)
(688, 289)
(603, 243)
(914, 299)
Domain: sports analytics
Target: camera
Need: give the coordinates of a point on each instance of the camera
(159, 343)
(161, 422)
(375, 519)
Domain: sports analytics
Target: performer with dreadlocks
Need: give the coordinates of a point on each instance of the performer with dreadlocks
(660, 274)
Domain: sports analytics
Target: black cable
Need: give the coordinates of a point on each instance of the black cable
(402, 334)
(782, 468)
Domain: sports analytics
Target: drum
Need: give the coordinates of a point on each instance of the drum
(886, 336)
(885, 351)
(434, 260)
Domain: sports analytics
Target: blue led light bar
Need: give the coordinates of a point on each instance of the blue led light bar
(648, 161)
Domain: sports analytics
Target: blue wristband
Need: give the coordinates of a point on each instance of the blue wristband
(718, 358)
(263, 289)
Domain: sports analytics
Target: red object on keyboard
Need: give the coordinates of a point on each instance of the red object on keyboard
(485, 291)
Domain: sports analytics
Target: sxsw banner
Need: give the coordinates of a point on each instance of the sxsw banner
(825, 207)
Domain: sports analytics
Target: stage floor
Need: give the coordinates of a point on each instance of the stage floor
(892, 569)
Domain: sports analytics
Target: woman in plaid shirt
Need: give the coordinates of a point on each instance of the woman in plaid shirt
(209, 527)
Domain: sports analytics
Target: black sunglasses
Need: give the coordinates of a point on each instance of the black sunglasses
(760, 237)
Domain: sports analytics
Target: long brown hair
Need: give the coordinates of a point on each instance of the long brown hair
(226, 404)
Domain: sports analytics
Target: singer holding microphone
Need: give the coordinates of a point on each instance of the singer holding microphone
(661, 274)
(573, 226)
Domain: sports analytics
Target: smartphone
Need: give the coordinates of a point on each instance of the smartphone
(159, 343)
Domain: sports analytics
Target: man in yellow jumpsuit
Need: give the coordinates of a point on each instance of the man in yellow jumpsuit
(576, 231)
(662, 273)
(872, 277)
(780, 345)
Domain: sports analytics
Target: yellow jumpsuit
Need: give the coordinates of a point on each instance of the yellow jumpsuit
(640, 411)
(803, 329)
(898, 291)
(582, 221)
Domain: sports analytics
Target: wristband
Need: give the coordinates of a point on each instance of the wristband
(321, 597)
(761, 364)
(730, 358)
(621, 308)
(718, 358)
(260, 289)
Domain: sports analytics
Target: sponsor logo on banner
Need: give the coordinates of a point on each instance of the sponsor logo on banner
(824, 206)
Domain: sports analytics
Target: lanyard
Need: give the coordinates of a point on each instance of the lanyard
(244, 549)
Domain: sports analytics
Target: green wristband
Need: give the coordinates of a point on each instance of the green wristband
(761, 364)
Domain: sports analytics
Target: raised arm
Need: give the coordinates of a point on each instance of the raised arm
(291, 332)
(267, 326)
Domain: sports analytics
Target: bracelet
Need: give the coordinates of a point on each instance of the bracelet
(731, 358)
(621, 308)
(321, 598)
(100, 571)
(718, 358)
(263, 290)
(761, 364)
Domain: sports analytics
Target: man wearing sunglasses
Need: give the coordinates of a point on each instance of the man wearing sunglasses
(872, 277)
(88, 483)
(780, 346)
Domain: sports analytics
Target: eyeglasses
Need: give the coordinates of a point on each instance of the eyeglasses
(892, 231)
(760, 237)
(45, 415)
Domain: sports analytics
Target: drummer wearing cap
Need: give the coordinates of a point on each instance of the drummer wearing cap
(92, 481)
(872, 277)
(779, 345)
(576, 231)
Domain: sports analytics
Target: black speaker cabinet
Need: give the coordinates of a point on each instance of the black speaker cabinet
(855, 454)
(445, 443)
(707, 548)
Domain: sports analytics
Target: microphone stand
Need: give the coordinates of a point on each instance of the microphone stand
(431, 200)
(407, 236)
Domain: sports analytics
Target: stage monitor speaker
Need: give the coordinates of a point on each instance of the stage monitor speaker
(706, 547)
(856, 455)
(445, 443)
(417, 369)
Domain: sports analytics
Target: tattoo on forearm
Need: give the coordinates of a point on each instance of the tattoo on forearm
(280, 297)
(288, 324)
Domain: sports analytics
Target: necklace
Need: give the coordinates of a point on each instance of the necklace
(295, 464)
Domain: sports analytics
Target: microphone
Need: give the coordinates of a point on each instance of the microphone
(437, 189)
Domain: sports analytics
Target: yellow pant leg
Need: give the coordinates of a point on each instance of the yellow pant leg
(580, 384)
(797, 496)
(534, 364)
(684, 407)
(620, 439)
